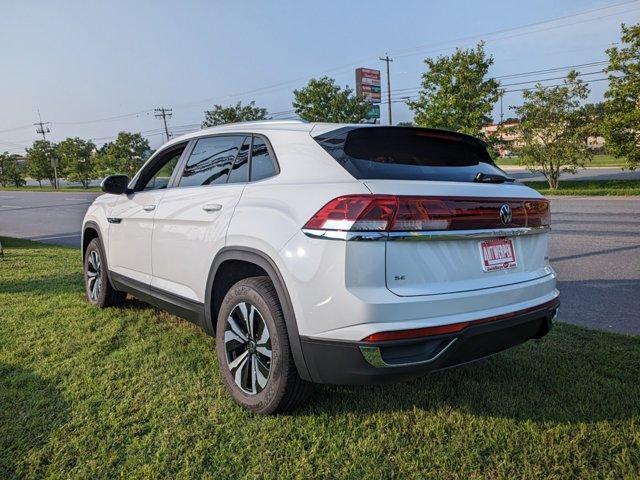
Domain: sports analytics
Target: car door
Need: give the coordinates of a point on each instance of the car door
(191, 221)
(131, 216)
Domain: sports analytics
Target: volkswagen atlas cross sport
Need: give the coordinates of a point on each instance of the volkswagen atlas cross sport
(327, 253)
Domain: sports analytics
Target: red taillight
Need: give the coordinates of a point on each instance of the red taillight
(416, 332)
(355, 213)
(410, 213)
(538, 213)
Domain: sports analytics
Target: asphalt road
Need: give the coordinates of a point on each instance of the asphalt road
(595, 248)
(47, 217)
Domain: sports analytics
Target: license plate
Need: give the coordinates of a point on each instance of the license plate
(497, 254)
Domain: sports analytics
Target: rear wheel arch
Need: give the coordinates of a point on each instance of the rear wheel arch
(232, 264)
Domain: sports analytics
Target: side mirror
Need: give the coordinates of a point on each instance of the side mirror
(116, 184)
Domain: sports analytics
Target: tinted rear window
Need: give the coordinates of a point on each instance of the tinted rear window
(399, 153)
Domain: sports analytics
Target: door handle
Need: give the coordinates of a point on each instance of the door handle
(149, 208)
(212, 207)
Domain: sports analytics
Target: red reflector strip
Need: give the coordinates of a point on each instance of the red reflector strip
(453, 327)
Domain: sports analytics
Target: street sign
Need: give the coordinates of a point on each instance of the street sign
(368, 86)
(54, 163)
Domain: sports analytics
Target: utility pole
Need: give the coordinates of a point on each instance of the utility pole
(386, 59)
(42, 128)
(164, 113)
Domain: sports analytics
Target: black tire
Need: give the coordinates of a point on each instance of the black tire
(97, 286)
(284, 389)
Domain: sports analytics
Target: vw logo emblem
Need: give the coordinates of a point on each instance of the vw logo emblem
(505, 214)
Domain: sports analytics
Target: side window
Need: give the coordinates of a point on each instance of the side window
(240, 170)
(262, 165)
(158, 175)
(210, 161)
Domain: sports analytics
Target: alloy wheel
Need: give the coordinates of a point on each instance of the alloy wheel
(247, 344)
(94, 275)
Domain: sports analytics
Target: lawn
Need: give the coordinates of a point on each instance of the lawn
(598, 161)
(134, 392)
(589, 187)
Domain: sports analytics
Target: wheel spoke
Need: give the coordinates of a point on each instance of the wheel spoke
(236, 328)
(92, 263)
(94, 289)
(252, 315)
(254, 374)
(263, 350)
(244, 309)
(262, 373)
(264, 335)
(91, 274)
(237, 366)
(232, 340)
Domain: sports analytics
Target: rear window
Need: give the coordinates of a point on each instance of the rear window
(401, 153)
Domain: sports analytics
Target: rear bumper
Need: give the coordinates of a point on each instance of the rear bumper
(345, 362)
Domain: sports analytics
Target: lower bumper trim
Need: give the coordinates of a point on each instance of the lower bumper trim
(340, 362)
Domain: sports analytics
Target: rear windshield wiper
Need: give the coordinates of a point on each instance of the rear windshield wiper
(490, 178)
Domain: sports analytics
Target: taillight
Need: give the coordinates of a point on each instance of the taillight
(355, 213)
(538, 213)
(362, 213)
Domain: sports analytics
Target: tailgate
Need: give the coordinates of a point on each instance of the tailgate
(478, 250)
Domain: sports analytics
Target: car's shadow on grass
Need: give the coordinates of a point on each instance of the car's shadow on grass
(31, 407)
(573, 375)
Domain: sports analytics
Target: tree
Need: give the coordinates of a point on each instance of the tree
(233, 114)
(77, 156)
(324, 101)
(553, 129)
(621, 127)
(125, 155)
(11, 170)
(455, 95)
(39, 158)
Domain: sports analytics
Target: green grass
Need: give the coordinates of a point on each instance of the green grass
(598, 161)
(589, 187)
(48, 188)
(134, 392)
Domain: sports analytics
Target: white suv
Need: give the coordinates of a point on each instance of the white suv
(325, 253)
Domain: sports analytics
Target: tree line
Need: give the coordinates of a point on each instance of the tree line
(456, 93)
(77, 160)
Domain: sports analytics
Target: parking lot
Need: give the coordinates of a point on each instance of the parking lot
(595, 248)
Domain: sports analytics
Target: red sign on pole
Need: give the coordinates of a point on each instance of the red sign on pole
(368, 84)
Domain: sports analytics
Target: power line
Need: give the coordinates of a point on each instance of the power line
(588, 82)
(421, 48)
(516, 75)
(105, 119)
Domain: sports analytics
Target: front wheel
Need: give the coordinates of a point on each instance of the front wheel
(253, 350)
(98, 289)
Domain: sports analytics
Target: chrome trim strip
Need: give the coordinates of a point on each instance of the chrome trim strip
(373, 356)
(437, 235)
(467, 234)
(348, 236)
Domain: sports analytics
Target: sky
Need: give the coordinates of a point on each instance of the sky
(94, 68)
